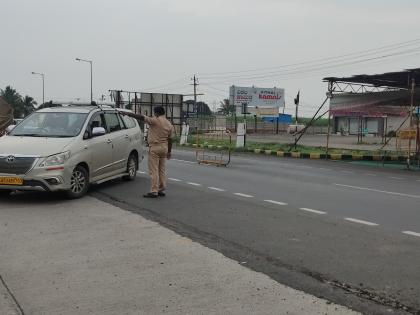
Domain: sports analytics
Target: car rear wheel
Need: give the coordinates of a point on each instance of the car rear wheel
(79, 183)
(131, 168)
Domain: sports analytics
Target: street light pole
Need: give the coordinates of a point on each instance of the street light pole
(43, 85)
(91, 76)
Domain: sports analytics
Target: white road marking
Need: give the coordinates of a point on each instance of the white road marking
(324, 169)
(276, 202)
(418, 180)
(216, 189)
(377, 190)
(392, 177)
(141, 172)
(183, 161)
(370, 174)
(412, 233)
(361, 221)
(312, 210)
(243, 195)
(193, 184)
(348, 172)
(174, 179)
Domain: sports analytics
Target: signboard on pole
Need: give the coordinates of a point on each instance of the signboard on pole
(256, 97)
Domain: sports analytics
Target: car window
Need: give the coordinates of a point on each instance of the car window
(98, 120)
(122, 122)
(112, 122)
(129, 122)
(50, 124)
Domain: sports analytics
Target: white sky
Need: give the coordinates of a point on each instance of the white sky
(138, 45)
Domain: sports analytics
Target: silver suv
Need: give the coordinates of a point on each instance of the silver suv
(69, 148)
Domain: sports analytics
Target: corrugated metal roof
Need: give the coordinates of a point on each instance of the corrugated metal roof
(400, 79)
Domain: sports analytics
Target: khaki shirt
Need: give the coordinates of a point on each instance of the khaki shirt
(160, 129)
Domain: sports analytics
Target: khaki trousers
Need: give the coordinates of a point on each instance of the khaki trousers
(157, 166)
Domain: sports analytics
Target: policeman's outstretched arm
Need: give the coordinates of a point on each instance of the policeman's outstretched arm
(136, 116)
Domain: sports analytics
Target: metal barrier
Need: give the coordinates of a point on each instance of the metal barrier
(207, 150)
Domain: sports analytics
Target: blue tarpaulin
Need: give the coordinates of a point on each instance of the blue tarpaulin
(282, 118)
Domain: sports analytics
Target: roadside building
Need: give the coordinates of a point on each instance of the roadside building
(373, 104)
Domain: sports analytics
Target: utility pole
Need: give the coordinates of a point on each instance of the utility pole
(91, 76)
(43, 85)
(195, 84)
(413, 86)
(297, 106)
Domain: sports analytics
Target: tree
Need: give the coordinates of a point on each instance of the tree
(14, 99)
(28, 105)
(202, 108)
(226, 108)
(22, 106)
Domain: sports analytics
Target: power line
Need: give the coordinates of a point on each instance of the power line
(382, 48)
(317, 68)
(167, 84)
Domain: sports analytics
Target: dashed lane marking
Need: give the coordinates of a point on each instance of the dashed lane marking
(313, 211)
(412, 233)
(216, 189)
(392, 177)
(193, 184)
(379, 191)
(370, 174)
(174, 179)
(361, 221)
(347, 172)
(276, 202)
(243, 195)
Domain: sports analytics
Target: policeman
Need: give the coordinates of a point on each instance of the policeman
(160, 147)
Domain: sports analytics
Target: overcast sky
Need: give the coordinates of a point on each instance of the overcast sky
(144, 44)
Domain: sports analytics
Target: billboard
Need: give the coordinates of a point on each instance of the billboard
(256, 97)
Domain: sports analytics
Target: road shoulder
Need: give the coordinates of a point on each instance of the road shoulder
(88, 256)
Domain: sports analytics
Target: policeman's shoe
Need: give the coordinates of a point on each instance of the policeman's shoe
(161, 194)
(150, 195)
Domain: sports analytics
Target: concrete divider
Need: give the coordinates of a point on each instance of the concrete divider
(298, 155)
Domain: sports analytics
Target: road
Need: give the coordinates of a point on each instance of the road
(338, 230)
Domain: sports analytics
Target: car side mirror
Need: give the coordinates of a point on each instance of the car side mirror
(98, 131)
(10, 128)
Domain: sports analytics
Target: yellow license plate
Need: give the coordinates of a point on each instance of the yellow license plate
(11, 181)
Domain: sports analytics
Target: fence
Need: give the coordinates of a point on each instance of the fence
(253, 125)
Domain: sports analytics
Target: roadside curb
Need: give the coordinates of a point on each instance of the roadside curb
(304, 155)
(8, 304)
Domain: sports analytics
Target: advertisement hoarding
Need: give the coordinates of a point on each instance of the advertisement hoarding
(256, 97)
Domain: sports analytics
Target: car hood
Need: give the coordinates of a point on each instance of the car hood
(33, 146)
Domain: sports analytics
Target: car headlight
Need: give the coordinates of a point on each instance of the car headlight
(56, 159)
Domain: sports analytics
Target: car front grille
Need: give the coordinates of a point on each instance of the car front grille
(15, 165)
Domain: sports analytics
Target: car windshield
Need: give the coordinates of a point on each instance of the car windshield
(48, 124)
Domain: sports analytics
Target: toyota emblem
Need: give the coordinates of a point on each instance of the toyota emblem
(10, 159)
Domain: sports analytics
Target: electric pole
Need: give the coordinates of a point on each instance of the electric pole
(297, 106)
(195, 84)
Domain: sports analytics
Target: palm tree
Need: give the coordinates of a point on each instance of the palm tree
(14, 99)
(28, 105)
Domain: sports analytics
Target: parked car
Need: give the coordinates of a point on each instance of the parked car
(69, 148)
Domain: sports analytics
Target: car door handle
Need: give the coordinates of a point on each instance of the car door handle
(127, 136)
(109, 141)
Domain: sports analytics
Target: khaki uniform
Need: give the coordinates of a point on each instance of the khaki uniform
(160, 129)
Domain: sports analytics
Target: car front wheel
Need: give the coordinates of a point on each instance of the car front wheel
(131, 168)
(79, 183)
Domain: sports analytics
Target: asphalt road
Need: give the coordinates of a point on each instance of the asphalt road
(346, 232)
